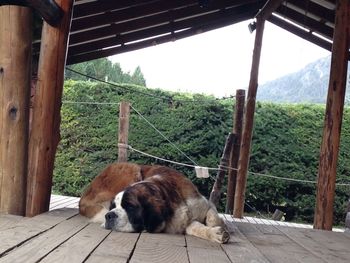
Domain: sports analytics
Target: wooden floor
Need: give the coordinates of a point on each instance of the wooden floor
(64, 236)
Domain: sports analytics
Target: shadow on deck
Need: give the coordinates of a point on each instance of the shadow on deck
(64, 236)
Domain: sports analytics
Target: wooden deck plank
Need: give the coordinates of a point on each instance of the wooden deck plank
(155, 248)
(277, 247)
(331, 246)
(66, 203)
(28, 228)
(57, 202)
(38, 247)
(84, 241)
(116, 248)
(240, 249)
(7, 221)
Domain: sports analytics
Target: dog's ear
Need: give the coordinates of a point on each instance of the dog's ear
(134, 211)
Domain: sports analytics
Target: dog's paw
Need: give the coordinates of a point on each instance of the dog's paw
(219, 234)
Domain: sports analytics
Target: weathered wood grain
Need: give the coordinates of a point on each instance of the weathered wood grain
(15, 61)
(45, 131)
(6, 221)
(116, 248)
(85, 241)
(239, 249)
(331, 246)
(27, 228)
(41, 245)
(327, 169)
(155, 248)
(277, 247)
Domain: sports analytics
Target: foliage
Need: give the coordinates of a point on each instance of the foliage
(286, 142)
(104, 69)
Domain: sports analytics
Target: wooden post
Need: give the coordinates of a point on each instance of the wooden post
(216, 192)
(48, 9)
(243, 162)
(347, 218)
(15, 73)
(123, 131)
(333, 119)
(45, 133)
(234, 156)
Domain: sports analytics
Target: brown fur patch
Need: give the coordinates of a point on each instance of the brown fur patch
(112, 180)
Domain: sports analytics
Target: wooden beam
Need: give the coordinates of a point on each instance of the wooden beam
(333, 119)
(46, 112)
(236, 147)
(200, 27)
(243, 162)
(268, 9)
(15, 75)
(300, 32)
(305, 21)
(205, 24)
(133, 12)
(178, 16)
(48, 9)
(101, 6)
(123, 131)
(215, 194)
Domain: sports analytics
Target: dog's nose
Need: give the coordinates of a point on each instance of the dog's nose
(110, 215)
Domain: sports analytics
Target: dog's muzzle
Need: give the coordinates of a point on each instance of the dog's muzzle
(111, 219)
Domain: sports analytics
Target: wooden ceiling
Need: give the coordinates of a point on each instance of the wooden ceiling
(102, 28)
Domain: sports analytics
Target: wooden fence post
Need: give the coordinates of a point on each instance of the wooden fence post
(347, 218)
(234, 156)
(123, 131)
(216, 192)
(45, 133)
(333, 119)
(243, 162)
(15, 74)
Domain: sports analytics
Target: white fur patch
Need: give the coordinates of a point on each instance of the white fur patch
(122, 223)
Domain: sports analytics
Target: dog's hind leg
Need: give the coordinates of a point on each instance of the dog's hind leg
(216, 234)
(213, 219)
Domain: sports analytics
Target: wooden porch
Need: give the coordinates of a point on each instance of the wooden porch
(62, 235)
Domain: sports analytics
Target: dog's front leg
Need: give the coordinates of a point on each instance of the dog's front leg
(217, 234)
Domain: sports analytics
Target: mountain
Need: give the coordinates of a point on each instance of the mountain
(308, 85)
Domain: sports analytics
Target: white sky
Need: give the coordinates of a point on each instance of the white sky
(218, 62)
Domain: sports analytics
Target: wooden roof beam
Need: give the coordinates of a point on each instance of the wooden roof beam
(150, 21)
(302, 20)
(135, 12)
(101, 6)
(307, 35)
(48, 9)
(73, 59)
(245, 11)
(268, 9)
(129, 13)
(313, 8)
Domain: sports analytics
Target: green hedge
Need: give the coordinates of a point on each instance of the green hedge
(286, 142)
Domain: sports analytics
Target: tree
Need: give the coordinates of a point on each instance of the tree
(104, 69)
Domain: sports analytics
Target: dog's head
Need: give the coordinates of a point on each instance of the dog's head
(117, 218)
(142, 206)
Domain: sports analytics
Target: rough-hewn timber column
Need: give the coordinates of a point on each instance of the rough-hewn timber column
(333, 120)
(45, 134)
(15, 73)
(243, 162)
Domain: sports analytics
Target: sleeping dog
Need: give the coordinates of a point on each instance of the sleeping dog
(164, 201)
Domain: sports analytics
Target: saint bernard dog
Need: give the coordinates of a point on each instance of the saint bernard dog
(154, 199)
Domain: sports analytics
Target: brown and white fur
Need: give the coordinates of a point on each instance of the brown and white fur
(165, 201)
(95, 201)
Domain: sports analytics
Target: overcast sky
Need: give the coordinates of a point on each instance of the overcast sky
(218, 62)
